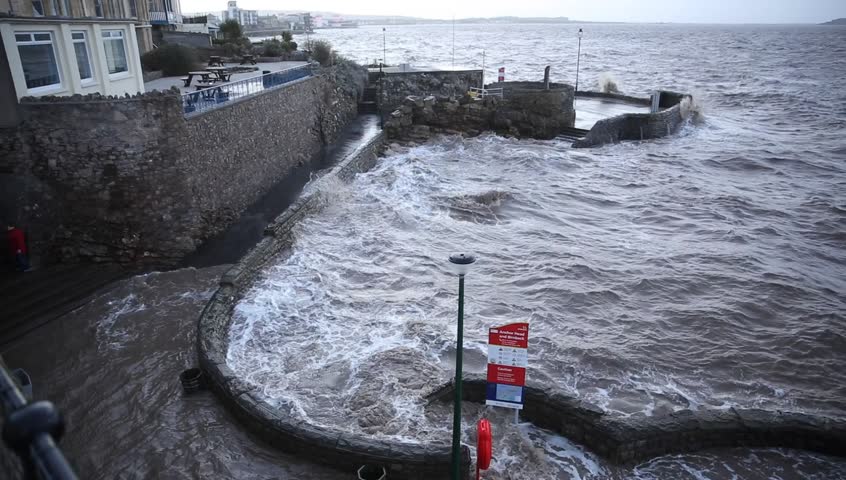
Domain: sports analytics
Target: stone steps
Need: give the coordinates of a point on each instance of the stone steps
(368, 107)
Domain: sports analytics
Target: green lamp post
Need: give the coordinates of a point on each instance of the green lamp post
(461, 265)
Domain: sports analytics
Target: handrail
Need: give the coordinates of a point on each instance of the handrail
(486, 92)
(31, 431)
(219, 94)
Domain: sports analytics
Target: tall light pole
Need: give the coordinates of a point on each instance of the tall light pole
(578, 59)
(384, 42)
(461, 264)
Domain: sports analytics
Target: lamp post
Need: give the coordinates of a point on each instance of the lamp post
(461, 264)
(578, 59)
(384, 37)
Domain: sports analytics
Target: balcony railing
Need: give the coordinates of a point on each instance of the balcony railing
(221, 94)
(165, 18)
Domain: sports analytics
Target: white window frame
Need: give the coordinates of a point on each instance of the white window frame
(46, 88)
(84, 40)
(111, 36)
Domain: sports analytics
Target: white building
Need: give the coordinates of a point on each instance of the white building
(244, 17)
(70, 47)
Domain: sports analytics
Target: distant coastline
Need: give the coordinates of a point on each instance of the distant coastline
(839, 21)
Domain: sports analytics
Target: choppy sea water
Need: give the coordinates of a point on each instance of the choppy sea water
(698, 271)
(704, 270)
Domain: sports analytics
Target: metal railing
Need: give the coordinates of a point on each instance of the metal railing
(220, 94)
(480, 93)
(31, 431)
(165, 18)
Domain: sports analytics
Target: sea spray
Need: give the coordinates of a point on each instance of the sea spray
(608, 83)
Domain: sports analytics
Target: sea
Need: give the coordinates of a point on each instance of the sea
(704, 270)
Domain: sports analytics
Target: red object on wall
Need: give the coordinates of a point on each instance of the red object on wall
(501, 74)
(484, 445)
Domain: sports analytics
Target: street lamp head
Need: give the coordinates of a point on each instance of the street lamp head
(461, 262)
(580, 33)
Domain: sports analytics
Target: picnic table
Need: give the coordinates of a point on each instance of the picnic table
(248, 58)
(215, 60)
(204, 74)
(222, 73)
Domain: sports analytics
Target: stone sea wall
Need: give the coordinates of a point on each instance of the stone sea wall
(641, 126)
(526, 110)
(395, 87)
(341, 450)
(636, 438)
(131, 180)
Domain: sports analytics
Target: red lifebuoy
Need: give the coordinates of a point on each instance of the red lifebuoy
(484, 444)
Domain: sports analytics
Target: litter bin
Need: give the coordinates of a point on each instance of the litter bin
(266, 80)
(192, 380)
(372, 472)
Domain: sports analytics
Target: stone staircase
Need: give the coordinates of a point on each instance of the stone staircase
(572, 134)
(32, 299)
(368, 103)
(370, 100)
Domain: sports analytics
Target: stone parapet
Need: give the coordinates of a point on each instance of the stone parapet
(677, 109)
(525, 110)
(396, 86)
(635, 438)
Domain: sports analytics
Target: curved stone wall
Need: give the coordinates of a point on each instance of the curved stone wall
(625, 440)
(638, 126)
(321, 445)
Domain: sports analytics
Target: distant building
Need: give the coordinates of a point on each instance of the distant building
(244, 17)
(72, 47)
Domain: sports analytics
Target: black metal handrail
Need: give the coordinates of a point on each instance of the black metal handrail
(32, 431)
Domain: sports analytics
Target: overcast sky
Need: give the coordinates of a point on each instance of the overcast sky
(695, 11)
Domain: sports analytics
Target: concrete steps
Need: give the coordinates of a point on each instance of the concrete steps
(572, 134)
(32, 299)
(368, 103)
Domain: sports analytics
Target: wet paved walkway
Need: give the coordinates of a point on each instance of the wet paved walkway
(591, 110)
(32, 299)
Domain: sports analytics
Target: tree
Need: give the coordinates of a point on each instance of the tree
(287, 36)
(231, 30)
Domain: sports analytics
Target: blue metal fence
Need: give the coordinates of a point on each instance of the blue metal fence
(220, 94)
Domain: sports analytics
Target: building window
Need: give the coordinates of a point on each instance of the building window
(37, 8)
(115, 51)
(133, 9)
(83, 57)
(98, 8)
(38, 60)
(68, 11)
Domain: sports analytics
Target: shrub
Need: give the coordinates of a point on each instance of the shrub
(273, 48)
(321, 51)
(171, 59)
(290, 46)
(287, 37)
(231, 30)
